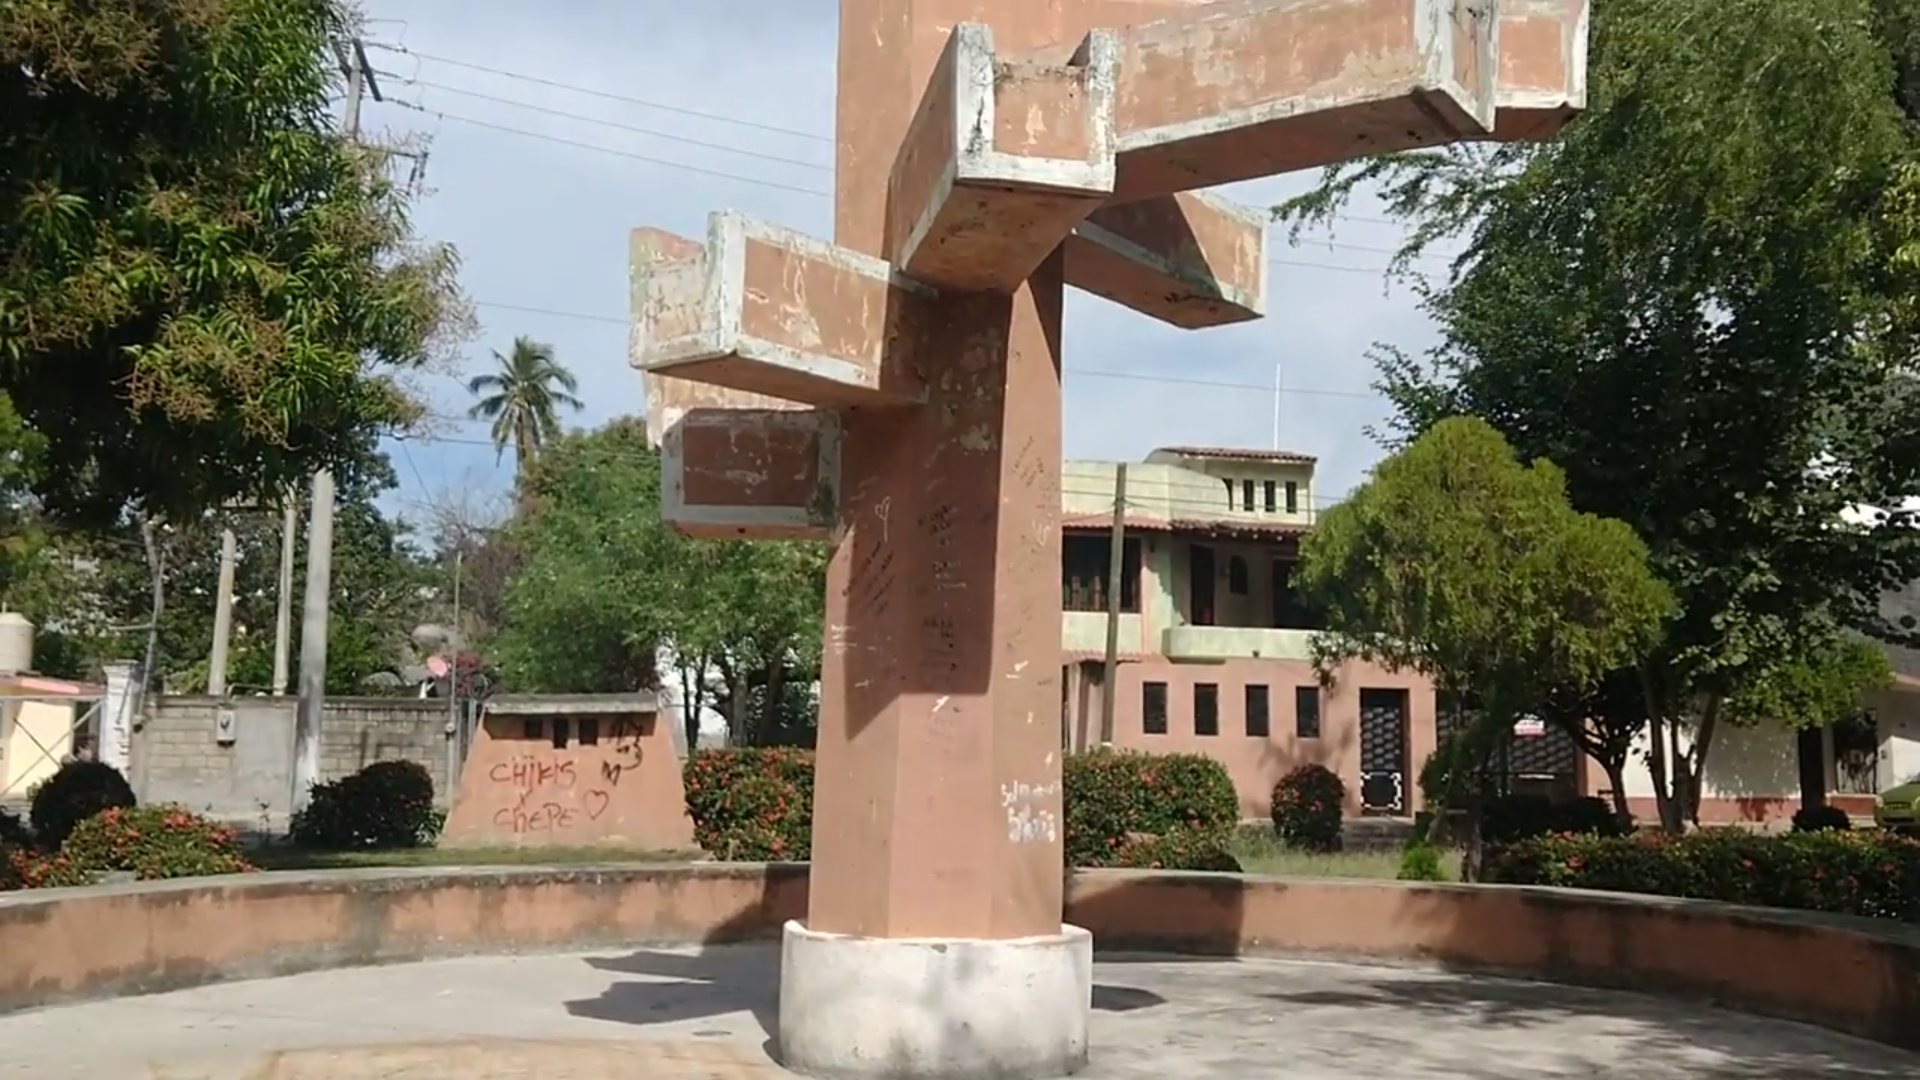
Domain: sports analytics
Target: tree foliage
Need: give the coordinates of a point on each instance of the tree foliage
(205, 291)
(376, 580)
(1699, 302)
(1457, 561)
(602, 583)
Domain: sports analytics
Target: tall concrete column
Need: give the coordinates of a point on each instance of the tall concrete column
(118, 715)
(897, 394)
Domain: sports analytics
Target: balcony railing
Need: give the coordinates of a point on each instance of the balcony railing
(1235, 643)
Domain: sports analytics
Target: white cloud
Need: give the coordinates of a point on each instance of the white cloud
(543, 225)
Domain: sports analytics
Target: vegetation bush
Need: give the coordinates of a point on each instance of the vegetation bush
(1867, 872)
(1820, 819)
(75, 792)
(14, 832)
(1509, 818)
(1179, 850)
(751, 803)
(1177, 809)
(1307, 808)
(388, 804)
(1174, 812)
(1420, 862)
(152, 842)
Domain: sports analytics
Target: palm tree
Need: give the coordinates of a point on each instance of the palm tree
(523, 398)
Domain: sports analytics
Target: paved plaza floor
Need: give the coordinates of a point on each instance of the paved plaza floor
(666, 1014)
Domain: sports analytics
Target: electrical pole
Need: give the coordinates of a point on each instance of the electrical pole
(1116, 566)
(283, 611)
(453, 646)
(222, 615)
(313, 617)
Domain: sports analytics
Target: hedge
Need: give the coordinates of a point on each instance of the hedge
(1172, 811)
(1866, 872)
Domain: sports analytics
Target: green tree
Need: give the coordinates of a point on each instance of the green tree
(602, 583)
(523, 399)
(205, 292)
(377, 582)
(1694, 302)
(1456, 561)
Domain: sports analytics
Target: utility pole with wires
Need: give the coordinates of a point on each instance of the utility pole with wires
(1116, 571)
(352, 56)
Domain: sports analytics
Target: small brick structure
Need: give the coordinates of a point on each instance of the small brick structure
(571, 771)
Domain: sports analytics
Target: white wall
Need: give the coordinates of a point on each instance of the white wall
(1744, 762)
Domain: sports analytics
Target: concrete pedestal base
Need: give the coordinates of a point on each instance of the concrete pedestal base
(935, 1008)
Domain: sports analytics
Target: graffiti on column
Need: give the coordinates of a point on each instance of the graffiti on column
(547, 795)
(1030, 818)
(626, 754)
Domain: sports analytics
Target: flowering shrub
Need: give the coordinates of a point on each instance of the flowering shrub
(1858, 872)
(751, 804)
(152, 842)
(1125, 808)
(1120, 809)
(1307, 806)
(1183, 850)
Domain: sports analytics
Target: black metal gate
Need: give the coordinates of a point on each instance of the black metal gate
(1383, 752)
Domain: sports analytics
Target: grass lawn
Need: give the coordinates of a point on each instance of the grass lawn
(1260, 853)
(1255, 846)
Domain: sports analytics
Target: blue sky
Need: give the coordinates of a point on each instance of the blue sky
(593, 121)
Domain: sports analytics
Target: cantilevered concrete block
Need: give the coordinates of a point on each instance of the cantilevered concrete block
(1542, 80)
(652, 251)
(1247, 88)
(1192, 260)
(770, 474)
(1003, 158)
(766, 310)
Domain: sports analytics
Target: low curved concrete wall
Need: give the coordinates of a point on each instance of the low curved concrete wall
(1855, 976)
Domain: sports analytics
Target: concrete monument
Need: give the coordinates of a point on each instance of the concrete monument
(897, 393)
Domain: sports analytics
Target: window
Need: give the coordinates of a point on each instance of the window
(1293, 497)
(561, 732)
(1306, 712)
(1269, 504)
(1206, 708)
(1084, 559)
(1153, 708)
(532, 728)
(589, 731)
(1257, 705)
(1246, 495)
(1237, 575)
(1229, 484)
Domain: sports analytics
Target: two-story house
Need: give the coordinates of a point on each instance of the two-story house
(1213, 641)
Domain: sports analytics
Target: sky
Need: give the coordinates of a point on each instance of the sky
(553, 129)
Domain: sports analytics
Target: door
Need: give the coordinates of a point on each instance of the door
(1282, 611)
(1201, 579)
(1383, 752)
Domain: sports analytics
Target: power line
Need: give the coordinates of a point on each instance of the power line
(1212, 501)
(1084, 372)
(711, 117)
(681, 165)
(636, 129)
(645, 103)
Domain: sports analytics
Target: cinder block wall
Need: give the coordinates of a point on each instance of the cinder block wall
(178, 756)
